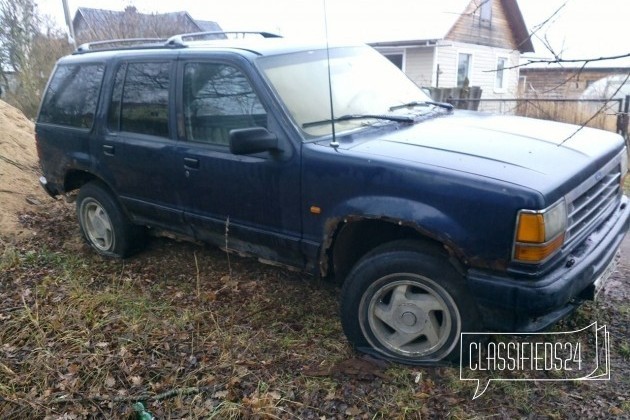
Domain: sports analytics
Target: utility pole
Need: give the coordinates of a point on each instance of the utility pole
(66, 12)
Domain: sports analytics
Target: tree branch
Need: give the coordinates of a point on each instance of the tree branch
(597, 113)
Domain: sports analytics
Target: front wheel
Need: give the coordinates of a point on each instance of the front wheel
(405, 302)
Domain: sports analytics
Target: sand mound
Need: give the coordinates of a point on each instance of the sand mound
(19, 169)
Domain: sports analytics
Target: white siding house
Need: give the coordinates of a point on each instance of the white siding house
(478, 42)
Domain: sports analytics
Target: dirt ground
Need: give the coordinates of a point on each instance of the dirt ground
(19, 169)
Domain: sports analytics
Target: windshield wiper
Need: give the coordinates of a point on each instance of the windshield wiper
(444, 105)
(397, 118)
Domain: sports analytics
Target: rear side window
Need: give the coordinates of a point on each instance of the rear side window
(72, 95)
(139, 101)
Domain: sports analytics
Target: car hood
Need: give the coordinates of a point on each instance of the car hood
(537, 154)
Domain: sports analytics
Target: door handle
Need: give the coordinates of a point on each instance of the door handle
(108, 149)
(191, 163)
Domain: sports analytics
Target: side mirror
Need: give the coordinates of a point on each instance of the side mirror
(247, 141)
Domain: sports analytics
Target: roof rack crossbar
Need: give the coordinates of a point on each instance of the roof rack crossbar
(113, 43)
(179, 40)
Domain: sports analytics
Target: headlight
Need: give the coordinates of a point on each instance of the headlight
(539, 233)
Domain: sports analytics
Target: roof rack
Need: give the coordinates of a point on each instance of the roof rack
(176, 41)
(112, 44)
(179, 40)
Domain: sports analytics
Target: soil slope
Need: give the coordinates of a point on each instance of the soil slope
(19, 170)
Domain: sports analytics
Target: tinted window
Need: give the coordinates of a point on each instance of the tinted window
(218, 98)
(72, 95)
(140, 103)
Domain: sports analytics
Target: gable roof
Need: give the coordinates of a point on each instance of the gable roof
(101, 23)
(208, 26)
(422, 24)
(418, 21)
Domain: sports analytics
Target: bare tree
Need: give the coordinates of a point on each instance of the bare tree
(18, 26)
(29, 48)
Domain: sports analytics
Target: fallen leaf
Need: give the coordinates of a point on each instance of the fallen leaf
(220, 394)
(359, 367)
(353, 411)
(616, 411)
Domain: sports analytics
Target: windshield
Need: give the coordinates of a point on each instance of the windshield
(363, 83)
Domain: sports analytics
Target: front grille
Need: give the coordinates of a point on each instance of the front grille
(593, 201)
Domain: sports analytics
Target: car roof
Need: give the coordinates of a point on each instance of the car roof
(247, 47)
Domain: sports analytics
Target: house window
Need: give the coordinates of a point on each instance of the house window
(499, 77)
(396, 58)
(485, 12)
(464, 64)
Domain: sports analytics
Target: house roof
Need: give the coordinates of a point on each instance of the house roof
(99, 21)
(208, 26)
(423, 24)
(417, 22)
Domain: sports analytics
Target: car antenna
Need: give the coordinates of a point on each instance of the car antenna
(333, 142)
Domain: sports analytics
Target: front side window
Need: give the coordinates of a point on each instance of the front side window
(218, 98)
(464, 64)
(499, 80)
(72, 95)
(139, 102)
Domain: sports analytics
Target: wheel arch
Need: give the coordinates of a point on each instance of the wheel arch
(353, 237)
(74, 179)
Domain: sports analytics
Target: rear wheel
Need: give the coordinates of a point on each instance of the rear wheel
(405, 302)
(103, 223)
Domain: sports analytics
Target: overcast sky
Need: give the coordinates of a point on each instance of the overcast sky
(583, 28)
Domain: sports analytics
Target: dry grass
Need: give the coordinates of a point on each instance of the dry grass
(590, 114)
(86, 337)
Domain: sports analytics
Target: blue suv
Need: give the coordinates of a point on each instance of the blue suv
(435, 221)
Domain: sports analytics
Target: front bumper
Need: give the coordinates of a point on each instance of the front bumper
(507, 304)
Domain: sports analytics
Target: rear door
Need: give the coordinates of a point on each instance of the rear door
(65, 123)
(252, 202)
(137, 152)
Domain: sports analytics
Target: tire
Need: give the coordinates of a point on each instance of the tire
(104, 224)
(406, 303)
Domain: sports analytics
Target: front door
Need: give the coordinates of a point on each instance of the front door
(251, 203)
